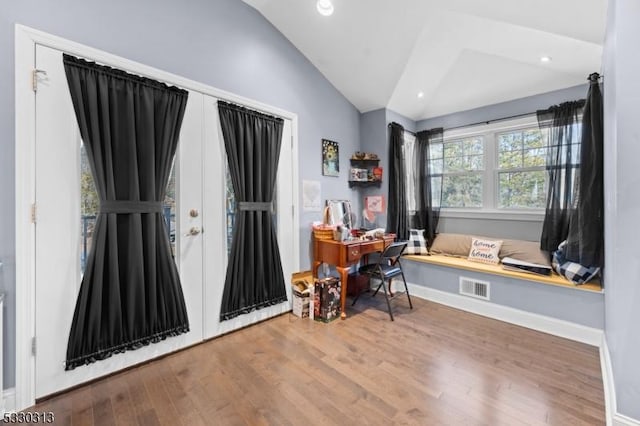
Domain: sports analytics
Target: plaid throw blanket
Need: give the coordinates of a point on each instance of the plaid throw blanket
(574, 272)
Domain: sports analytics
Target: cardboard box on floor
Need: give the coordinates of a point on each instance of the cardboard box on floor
(301, 289)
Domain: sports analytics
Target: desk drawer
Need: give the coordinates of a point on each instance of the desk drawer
(353, 253)
(371, 247)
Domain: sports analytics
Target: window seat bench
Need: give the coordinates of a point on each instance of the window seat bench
(461, 263)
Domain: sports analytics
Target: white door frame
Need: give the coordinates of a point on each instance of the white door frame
(25, 41)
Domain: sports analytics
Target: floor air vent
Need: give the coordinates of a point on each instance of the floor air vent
(474, 288)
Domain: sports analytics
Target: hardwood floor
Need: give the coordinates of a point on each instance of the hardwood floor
(433, 365)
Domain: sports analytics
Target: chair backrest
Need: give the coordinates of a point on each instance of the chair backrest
(393, 250)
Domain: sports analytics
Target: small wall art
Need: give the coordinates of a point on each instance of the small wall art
(311, 200)
(374, 203)
(330, 158)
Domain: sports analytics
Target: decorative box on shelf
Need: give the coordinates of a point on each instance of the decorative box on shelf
(365, 170)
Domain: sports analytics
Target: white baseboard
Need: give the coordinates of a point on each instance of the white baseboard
(556, 327)
(620, 420)
(607, 381)
(613, 417)
(8, 400)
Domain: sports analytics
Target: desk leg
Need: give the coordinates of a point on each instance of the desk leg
(344, 276)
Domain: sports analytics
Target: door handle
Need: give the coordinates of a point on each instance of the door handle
(193, 232)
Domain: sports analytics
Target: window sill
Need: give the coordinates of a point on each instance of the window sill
(515, 215)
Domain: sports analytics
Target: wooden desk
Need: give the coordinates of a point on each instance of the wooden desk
(343, 255)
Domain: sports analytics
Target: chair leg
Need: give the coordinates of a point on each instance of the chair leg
(406, 289)
(355, 299)
(386, 296)
(377, 289)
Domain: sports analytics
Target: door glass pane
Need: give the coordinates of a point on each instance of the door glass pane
(169, 209)
(88, 206)
(230, 209)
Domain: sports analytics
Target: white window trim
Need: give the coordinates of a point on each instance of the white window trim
(490, 173)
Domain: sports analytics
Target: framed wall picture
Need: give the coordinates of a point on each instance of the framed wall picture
(374, 203)
(330, 158)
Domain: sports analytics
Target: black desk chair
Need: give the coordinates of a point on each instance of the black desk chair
(387, 267)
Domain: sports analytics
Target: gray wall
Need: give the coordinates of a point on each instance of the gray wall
(577, 306)
(407, 123)
(374, 137)
(622, 204)
(373, 140)
(223, 43)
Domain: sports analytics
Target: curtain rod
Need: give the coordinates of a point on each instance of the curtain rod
(493, 120)
(525, 114)
(479, 122)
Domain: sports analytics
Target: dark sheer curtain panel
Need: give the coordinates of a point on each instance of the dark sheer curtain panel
(585, 242)
(130, 294)
(428, 206)
(397, 215)
(563, 162)
(254, 277)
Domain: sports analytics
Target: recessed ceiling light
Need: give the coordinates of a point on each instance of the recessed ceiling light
(325, 8)
(420, 95)
(545, 58)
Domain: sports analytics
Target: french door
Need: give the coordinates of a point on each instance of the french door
(198, 215)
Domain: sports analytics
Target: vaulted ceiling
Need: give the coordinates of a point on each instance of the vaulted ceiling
(461, 54)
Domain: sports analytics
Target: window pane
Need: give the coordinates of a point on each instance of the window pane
(473, 146)
(510, 159)
(534, 157)
(462, 191)
(408, 151)
(474, 162)
(169, 208)
(461, 184)
(533, 139)
(521, 148)
(522, 190)
(510, 141)
(88, 206)
(453, 149)
(436, 167)
(453, 164)
(436, 190)
(230, 209)
(436, 151)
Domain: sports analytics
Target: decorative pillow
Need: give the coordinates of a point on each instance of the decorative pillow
(485, 251)
(451, 245)
(417, 243)
(527, 251)
(574, 272)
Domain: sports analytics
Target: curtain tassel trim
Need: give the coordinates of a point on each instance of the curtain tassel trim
(131, 345)
(245, 310)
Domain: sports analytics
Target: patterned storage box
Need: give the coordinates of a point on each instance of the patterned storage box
(326, 299)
